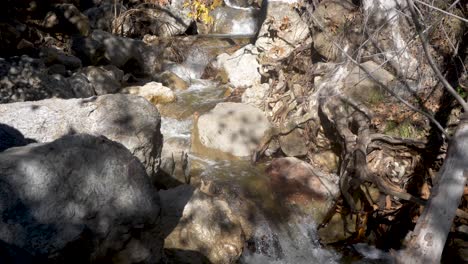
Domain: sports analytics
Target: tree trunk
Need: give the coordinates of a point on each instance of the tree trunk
(427, 242)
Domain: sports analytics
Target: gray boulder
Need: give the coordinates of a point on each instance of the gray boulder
(129, 120)
(79, 199)
(131, 55)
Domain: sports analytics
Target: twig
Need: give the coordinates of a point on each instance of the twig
(440, 10)
(430, 59)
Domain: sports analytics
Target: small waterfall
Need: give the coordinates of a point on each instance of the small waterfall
(292, 243)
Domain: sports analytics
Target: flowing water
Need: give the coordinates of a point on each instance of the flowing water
(276, 239)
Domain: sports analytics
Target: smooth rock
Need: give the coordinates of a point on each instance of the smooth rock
(78, 199)
(241, 68)
(194, 221)
(154, 92)
(233, 128)
(129, 120)
(298, 184)
(294, 144)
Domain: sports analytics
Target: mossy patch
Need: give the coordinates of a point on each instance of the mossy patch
(404, 129)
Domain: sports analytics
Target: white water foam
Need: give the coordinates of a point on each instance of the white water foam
(294, 243)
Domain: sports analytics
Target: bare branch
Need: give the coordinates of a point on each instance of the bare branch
(443, 11)
(430, 59)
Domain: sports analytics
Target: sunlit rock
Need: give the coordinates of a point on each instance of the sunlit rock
(127, 119)
(200, 227)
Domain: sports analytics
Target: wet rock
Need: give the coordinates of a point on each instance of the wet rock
(339, 228)
(174, 162)
(256, 94)
(172, 81)
(136, 23)
(241, 68)
(101, 17)
(77, 199)
(129, 120)
(231, 21)
(104, 79)
(154, 92)
(131, 55)
(194, 221)
(282, 31)
(303, 187)
(55, 56)
(294, 144)
(232, 128)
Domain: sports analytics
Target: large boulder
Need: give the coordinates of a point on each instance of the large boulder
(282, 31)
(296, 183)
(233, 128)
(131, 55)
(129, 120)
(79, 199)
(200, 227)
(241, 68)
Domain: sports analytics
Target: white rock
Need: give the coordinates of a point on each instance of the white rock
(154, 92)
(241, 67)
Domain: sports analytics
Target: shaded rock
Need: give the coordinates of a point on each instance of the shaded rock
(135, 23)
(78, 199)
(131, 55)
(233, 128)
(241, 68)
(25, 79)
(10, 137)
(298, 184)
(359, 85)
(129, 120)
(282, 31)
(57, 69)
(231, 21)
(197, 222)
(294, 144)
(55, 56)
(256, 94)
(105, 79)
(154, 92)
(66, 18)
(339, 228)
(174, 162)
(81, 86)
(101, 17)
(172, 81)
